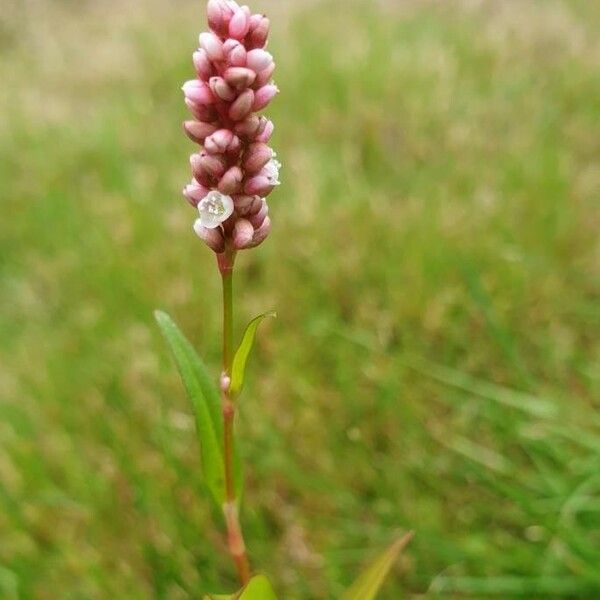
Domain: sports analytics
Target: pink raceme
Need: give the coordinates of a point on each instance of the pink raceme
(235, 169)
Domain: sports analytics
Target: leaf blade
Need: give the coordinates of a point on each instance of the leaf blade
(238, 367)
(259, 588)
(368, 583)
(205, 402)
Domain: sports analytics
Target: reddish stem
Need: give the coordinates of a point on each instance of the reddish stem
(235, 538)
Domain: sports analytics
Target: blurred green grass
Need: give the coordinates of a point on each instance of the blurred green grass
(434, 263)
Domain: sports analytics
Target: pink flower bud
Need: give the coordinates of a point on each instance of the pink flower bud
(219, 13)
(243, 204)
(204, 165)
(258, 60)
(256, 157)
(258, 219)
(260, 235)
(258, 185)
(243, 232)
(221, 89)
(239, 77)
(255, 20)
(216, 20)
(228, 227)
(249, 126)
(256, 205)
(234, 147)
(235, 53)
(202, 177)
(198, 130)
(229, 7)
(202, 65)
(259, 33)
(266, 133)
(262, 124)
(265, 76)
(203, 112)
(213, 238)
(264, 96)
(242, 105)
(229, 44)
(194, 192)
(198, 171)
(239, 24)
(231, 181)
(212, 45)
(218, 142)
(214, 164)
(198, 92)
(225, 382)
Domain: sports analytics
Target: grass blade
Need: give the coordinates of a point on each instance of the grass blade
(371, 579)
(537, 407)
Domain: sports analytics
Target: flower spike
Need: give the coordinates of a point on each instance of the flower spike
(235, 169)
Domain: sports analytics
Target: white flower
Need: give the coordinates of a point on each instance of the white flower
(214, 208)
(271, 170)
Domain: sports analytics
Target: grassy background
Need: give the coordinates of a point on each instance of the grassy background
(434, 262)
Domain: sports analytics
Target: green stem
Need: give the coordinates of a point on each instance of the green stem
(235, 538)
(227, 277)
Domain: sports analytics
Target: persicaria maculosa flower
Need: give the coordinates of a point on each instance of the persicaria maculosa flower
(215, 208)
(235, 170)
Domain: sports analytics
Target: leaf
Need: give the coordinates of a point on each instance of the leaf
(370, 580)
(205, 401)
(238, 368)
(258, 588)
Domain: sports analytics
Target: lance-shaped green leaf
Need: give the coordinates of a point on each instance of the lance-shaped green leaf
(238, 368)
(370, 580)
(258, 588)
(206, 404)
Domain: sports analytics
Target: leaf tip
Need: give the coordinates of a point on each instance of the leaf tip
(160, 315)
(403, 541)
(371, 579)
